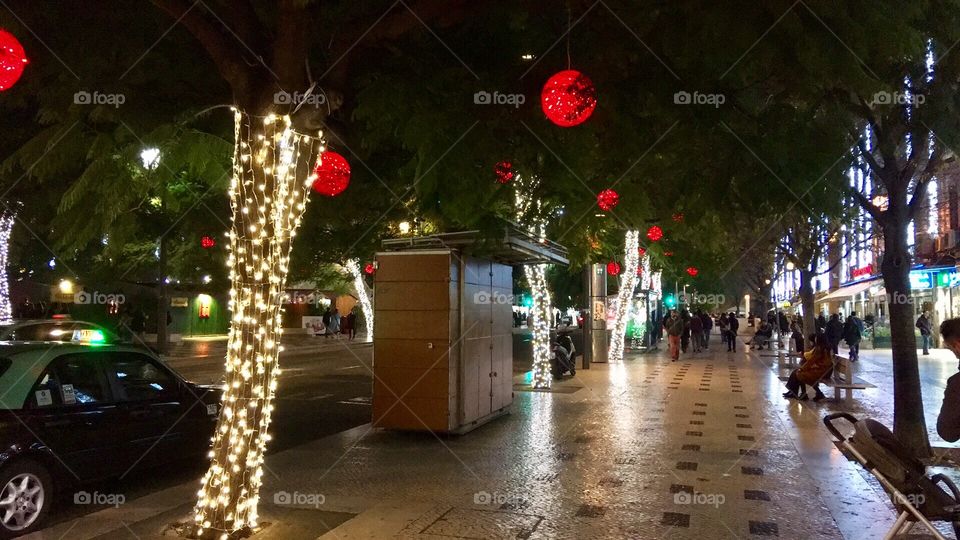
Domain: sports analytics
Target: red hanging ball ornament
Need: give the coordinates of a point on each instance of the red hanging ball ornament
(678, 217)
(607, 199)
(207, 242)
(641, 251)
(333, 174)
(639, 270)
(568, 98)
(503, 172)
(12, 60)
(692, 270)
(654, 233)
(369, 269)
(613, 268)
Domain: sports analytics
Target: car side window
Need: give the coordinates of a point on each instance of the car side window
(139, 377)
(72, 379)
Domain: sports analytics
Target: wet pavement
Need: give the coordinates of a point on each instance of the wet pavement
(701, 448)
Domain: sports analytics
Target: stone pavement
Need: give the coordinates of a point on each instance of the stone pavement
(702, 448)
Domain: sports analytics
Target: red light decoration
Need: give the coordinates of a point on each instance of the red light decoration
(692, 270)
(333, 174)
(503, 172)
(654, 233)
(607, 199)
(641, 251)
(207, 242)
(369, 269)
(613, 268)
(639, 270)
(12, 60)
(568, 98)
(668, 254)
(678, 217)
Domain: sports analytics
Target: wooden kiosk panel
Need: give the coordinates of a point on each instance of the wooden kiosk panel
(442, 322)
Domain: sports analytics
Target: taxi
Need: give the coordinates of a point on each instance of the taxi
(72, 413)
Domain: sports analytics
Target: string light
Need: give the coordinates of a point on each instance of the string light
(529, 212)
(268, 195)
(631, 261)
(353, 266)
(6, 227)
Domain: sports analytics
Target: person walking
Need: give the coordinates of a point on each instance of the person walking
(351, 324)
(784, 327)
(926, 332)
(685, 336)
(733, 326)
(707, 321)
(852, 333)
(834, 333)
(335, 323)
(327, 317)
(674, 327)
(724, 328)
(821, 323)
(696, 332)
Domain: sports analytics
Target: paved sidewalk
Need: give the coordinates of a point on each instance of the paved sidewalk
(702, 448)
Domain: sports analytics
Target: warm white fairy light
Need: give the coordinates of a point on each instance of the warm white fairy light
(353, 266)
(529, 213)
(6, 227)
(628, 282)
(268, 193)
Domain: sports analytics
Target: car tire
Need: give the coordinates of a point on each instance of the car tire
(19, 485)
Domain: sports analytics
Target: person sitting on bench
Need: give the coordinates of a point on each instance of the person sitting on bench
(817, 363)
(764, 335)
(948, 422)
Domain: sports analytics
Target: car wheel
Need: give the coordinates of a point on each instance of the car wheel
(25, 497)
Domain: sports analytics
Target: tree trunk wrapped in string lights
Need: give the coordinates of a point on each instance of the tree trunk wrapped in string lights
(353, 266)
(529, 212)
(628, 282)
(268, 195)
(6, 228)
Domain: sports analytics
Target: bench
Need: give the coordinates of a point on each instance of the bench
(842, 378)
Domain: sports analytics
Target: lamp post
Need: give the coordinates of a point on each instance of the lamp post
(150, 159)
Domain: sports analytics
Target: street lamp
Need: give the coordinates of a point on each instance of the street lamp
(150, 157)
(791, 266)
(404, 227)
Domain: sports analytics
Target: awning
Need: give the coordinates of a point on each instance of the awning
(849, 291)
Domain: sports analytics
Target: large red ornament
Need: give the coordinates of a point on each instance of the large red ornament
(369, 269)
(692, 270)
(568, 98)
(613, 268)
(503, 171)
(12, 60)
(207, 242)
(333, 174)
(607, 199)
(654, 233)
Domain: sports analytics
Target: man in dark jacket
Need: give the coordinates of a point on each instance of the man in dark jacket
(696, 332)
(821, 323)
(948, 422)
(707, 322)
(734, 325)
(926, 332)
(834, 332)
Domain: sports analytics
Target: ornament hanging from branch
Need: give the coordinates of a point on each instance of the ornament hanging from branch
(641, 252)
(678, 217)
(207, 242)
(613, 268)
(503, 172)
(369, 269)
(692, 270)
(332, 174)
(654, 233)
(568, 98)
(607, 199)
(12, 60)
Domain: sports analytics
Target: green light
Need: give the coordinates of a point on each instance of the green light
(670, 301)
(528, 301)
(96, 336)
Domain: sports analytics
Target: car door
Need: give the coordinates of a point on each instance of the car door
(71, 410)
(151, 402)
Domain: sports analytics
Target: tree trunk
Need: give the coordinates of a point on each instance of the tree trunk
(807, 301)
(162, 295)
(363, 293)
(6, 227)
(909, 424)
(631, 262)
(268, 194)
(540, 316)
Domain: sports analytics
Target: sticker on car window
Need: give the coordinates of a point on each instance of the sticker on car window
(69, 396)
(211, 409)
(44, 397)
